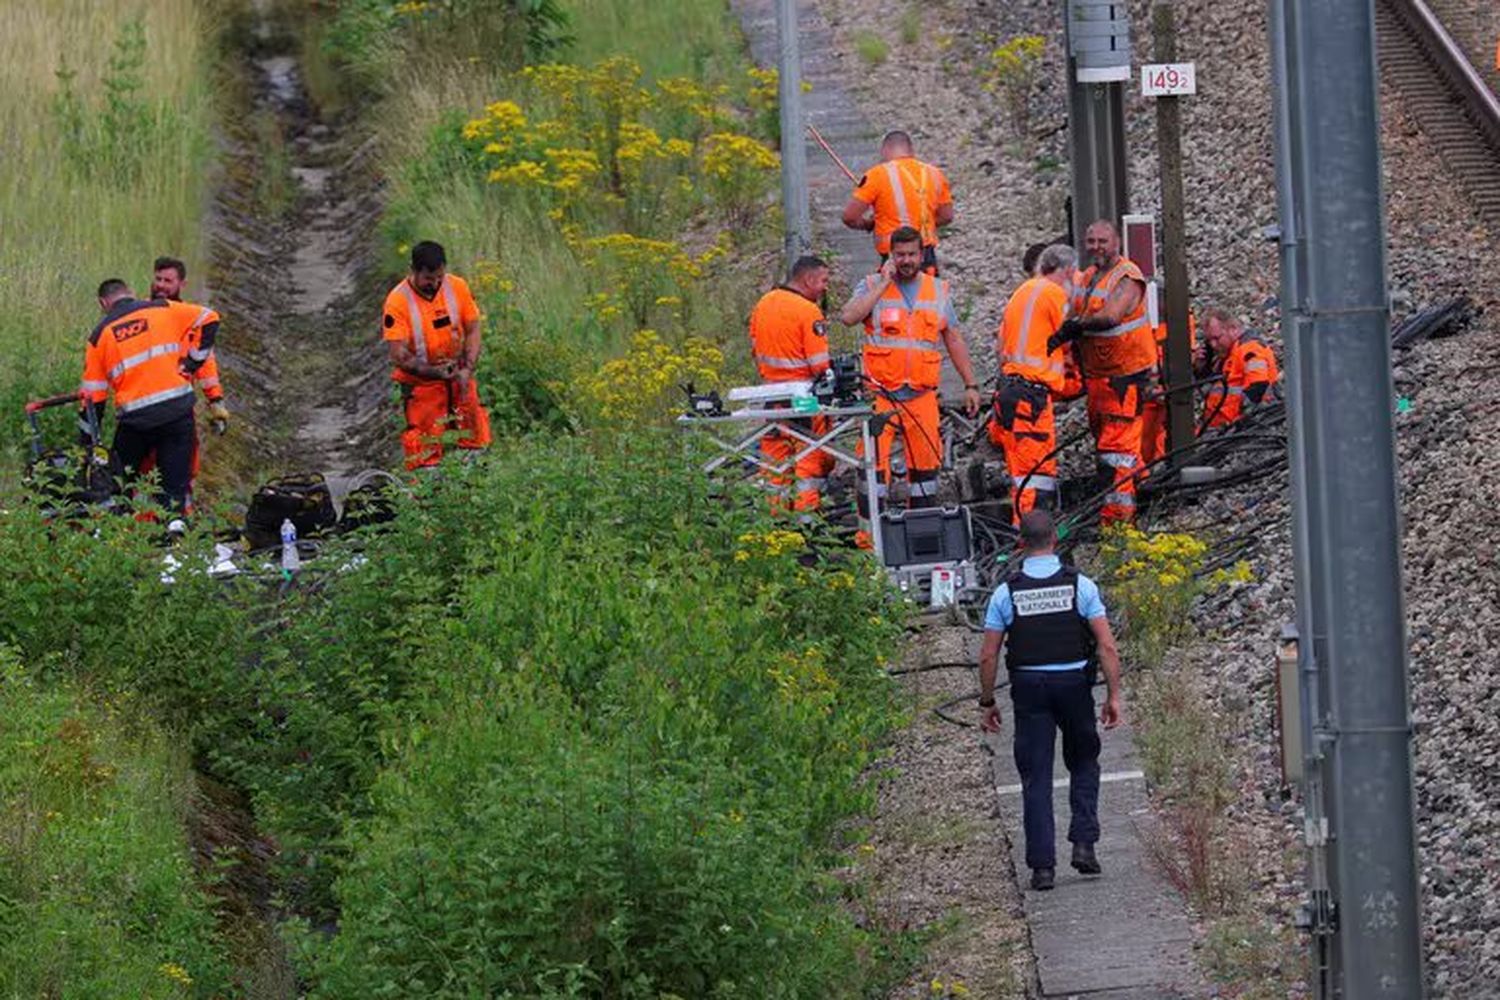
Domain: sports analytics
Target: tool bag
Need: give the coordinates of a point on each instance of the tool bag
(368, 505)
(305, 500)
(72, 478)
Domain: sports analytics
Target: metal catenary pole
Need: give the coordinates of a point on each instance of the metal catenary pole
(1337, 328)
(1179, 373)
(794, 197)
(1316, 916)
(1098, 47)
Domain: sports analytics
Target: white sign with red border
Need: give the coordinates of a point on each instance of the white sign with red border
(1169, 80)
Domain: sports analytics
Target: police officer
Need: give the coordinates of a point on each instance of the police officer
(1054, 619)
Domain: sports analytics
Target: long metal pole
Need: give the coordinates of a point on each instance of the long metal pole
(1339, 337)
(794, 197)
(1179, 373)
(1317, 916)
(1096, 144)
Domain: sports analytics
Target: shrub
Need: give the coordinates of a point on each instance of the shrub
(1012, 74)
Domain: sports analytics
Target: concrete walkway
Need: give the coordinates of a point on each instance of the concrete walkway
(1123, 935)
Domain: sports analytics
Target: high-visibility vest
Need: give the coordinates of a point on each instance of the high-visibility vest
(137, 352)
(1033, 314)
(1250, 362)
(904, 192)
(901, 344)
(788, 337)
(1129, 346)
(435, 328)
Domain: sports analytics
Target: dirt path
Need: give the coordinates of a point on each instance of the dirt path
(294, 232)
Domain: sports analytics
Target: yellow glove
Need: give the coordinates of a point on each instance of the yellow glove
(220, 414)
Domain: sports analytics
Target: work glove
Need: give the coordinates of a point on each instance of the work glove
(1070, 331)
(220, 414)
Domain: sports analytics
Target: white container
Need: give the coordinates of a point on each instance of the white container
(944, 587)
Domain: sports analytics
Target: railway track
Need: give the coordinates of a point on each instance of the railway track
(1452, 103)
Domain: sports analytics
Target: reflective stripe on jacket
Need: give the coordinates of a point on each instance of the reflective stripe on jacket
(788, 337)
(138, 351)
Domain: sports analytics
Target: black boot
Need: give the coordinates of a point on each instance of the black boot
(1043, 879)
(1084, 860)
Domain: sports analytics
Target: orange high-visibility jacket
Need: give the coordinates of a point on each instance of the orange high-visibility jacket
(904, 192)
(433, 330)
(1249, 373)
(1033, 314)
(902, 342)
(1125, 348)
(138, 350)
(788, 337)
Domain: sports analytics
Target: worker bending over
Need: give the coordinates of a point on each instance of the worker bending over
(906, 315)
(1051, 620)
(1246, 364)
(431, 327)
(146, 353)
(1032, 371)
(789, 339)
(1117, 353)
(901, 191)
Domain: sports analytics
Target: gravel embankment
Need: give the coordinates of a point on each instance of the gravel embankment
(1450, 474)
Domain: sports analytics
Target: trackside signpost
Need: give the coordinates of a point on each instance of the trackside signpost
(1167, 80)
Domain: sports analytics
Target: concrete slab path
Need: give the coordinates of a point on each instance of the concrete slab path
(1123, 935)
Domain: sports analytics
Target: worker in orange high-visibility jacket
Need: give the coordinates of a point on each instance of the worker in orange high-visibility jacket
(1117, 353)
(1032, 371)
(1246, 364)
(168, 275)
(789, 340)
(146, 353)
(901, 191)
(431, 328)
(1154, 416)
(908, 318)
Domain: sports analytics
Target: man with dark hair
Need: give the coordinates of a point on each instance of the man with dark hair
(907, 314)
(901, 191)
(1050, 619)
(146, 353)
(431, 329)
(789, 340)
(168, 275)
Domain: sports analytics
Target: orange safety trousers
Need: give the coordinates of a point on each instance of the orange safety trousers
(434, 409)
(911, 438)
(1024, 428)
(1116, 417)
(810, 471)
(1154, 428)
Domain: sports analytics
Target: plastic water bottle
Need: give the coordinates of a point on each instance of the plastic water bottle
(291, 561)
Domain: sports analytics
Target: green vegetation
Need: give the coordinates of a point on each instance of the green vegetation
(104, 132)
(97, 892)
(871, 47)
(568, 733)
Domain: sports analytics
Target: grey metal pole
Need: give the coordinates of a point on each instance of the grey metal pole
(794, 197)
(1096, 116)
(1179, 353)
(1316, 916)
(1337, 329)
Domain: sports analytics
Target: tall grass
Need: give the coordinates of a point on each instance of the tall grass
(101, 197)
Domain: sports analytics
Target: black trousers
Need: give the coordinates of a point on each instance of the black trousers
(1046, 701)
(173, 444)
